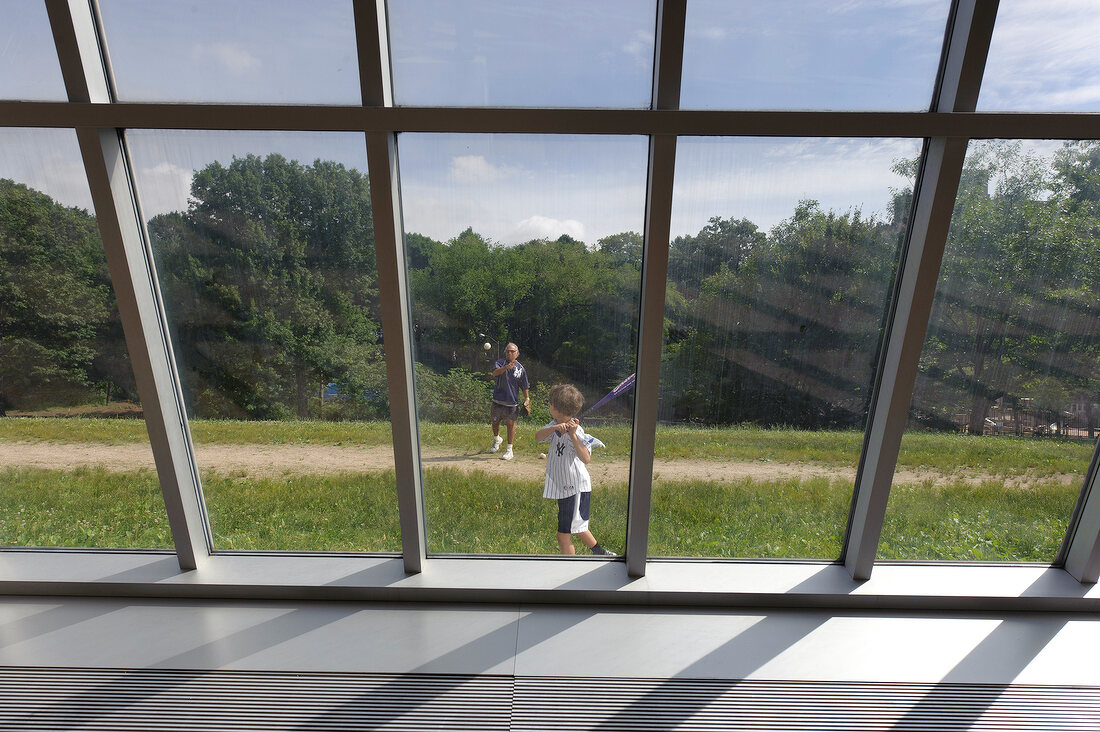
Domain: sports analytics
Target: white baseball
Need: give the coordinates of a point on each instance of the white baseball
(542, 455)
(487, 346)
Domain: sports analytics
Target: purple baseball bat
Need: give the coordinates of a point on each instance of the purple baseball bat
(623, 386)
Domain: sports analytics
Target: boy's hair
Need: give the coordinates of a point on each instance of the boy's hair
(567, 399)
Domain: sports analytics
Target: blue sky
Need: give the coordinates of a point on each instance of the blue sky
(828, 54)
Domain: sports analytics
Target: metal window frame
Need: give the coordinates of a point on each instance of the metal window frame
(100, 122)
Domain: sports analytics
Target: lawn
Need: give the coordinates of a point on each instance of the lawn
(481, 512)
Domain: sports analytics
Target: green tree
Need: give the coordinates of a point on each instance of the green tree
(271, 286)
(60, 339)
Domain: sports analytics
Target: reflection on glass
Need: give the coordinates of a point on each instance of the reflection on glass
(794, 54)
(1007, 400)
(1043, 58)
(75, 465)
(524, 53)
(267, 269)
(779, 275)
(28, 62)
(531, 241)
(246, 51)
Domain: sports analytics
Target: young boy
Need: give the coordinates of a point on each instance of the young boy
(567, 478)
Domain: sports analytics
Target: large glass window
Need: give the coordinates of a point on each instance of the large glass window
(779, 275)
(75, 464)
(1043, 58)
(264, 247)
(534, 241)
(1007, 400)
(246, 51)
(794, 54)
(523, 53)
(28, 61)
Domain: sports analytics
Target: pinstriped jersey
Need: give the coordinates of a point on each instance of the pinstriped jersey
(565, 473)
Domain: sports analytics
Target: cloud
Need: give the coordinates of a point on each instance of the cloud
(163, 188)
(640, 46)
(233, 58)
(476, 169)
(544, 227)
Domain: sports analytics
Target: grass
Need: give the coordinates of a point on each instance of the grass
(944, 452)
(477, 513)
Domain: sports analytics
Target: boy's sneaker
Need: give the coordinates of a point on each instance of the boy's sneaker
(507, 454)
(604, 552)
(496, 443)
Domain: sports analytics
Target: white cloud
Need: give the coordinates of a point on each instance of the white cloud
(640, 46)
(233, 58)
(163, 188)
(476, 169)
(544, 227)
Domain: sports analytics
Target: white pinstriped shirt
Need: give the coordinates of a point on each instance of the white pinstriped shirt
(565, 473)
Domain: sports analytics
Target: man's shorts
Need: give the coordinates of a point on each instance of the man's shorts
(506, 412)
(573, 513)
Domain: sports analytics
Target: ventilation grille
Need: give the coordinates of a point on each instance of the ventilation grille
(89, 699)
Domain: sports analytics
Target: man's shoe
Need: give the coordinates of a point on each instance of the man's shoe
(507, 454)
(603, 552)
(496, 443)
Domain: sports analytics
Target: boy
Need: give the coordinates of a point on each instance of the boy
(567, 478)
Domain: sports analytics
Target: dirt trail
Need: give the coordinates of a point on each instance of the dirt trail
(281, 460)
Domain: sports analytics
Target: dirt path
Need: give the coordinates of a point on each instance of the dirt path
(281, 460)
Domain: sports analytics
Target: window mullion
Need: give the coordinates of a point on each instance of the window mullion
(130, 263)
(667, 65)
(969, 33)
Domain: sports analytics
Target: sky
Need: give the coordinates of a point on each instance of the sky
(739, 54)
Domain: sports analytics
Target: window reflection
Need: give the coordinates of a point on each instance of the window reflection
(533, 241)
(267, 269)
(779, 275)
(1007, 400)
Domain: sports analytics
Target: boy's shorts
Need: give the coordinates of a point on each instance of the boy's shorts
(573, 513)
(505, 412)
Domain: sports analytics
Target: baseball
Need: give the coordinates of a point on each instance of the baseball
(542, 455)
(487, 346)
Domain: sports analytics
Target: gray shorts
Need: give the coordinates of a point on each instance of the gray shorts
(506, 412)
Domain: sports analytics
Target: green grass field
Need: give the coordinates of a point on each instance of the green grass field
(477, 512)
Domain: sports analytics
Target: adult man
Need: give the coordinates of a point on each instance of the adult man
(510, 379)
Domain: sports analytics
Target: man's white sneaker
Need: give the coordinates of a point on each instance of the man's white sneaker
(496, 443)
(507, 454)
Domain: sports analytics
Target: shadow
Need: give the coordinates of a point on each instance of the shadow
(483, 457)
(92, 704)
(157, 571)
(48, 621)
(489, 651)
(1003, 654)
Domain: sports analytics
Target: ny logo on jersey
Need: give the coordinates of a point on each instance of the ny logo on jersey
(561, 448)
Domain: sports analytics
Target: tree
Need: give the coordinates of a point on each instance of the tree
(270, 285)
(59, 335)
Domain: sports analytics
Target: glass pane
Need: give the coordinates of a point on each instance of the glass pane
(525, 53)
(76, 469)
(780, 271)
(1043, 58)
(816, 54)
(28, 62)
(532, 241)
(1007, 401)
(247, 51)
(267, 269)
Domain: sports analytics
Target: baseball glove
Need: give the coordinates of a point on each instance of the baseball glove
(525, 410)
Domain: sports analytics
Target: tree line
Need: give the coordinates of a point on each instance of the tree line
(271, 291)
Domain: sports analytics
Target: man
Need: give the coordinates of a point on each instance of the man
(510, 379)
